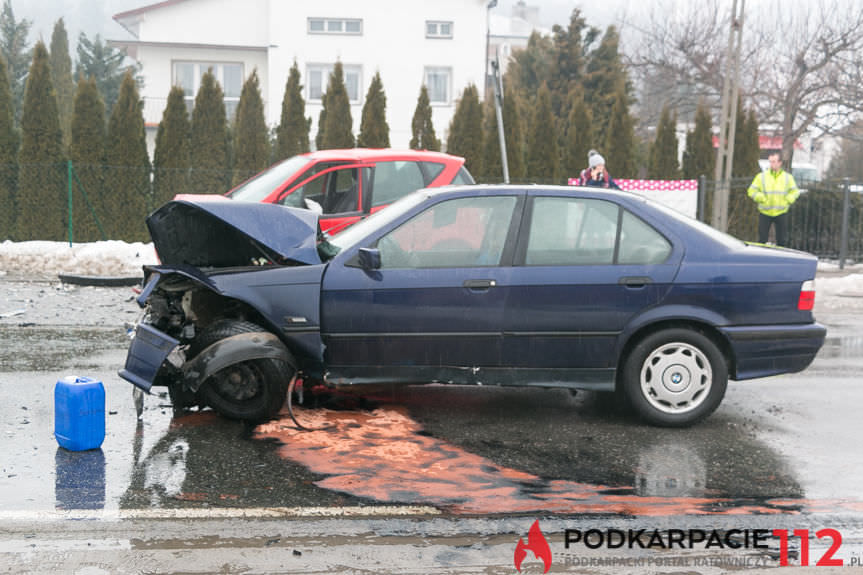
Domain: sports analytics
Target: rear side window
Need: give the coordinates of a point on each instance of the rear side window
(394, 180)
(463, 178)
(640, 244)
(580, 231)
(432, 170)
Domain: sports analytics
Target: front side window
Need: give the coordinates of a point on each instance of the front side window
(333, 192)
(465, 232)
(437, 80)
(571, 231)
(318, 77)
(187, 75)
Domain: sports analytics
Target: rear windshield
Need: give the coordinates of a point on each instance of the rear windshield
(262, 185)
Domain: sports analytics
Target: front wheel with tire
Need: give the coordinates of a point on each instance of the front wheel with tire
(251, 390)
(675, 377)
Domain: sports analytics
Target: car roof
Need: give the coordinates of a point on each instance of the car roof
(371, 154)
(533, 189)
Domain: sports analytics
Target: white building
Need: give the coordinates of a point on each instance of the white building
(440, 43)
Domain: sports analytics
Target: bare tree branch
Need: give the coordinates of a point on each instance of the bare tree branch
(801, 68)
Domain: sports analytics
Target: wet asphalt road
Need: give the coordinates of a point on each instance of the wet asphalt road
(470, 464)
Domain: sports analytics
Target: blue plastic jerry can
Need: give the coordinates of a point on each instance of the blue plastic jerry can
(79, 413)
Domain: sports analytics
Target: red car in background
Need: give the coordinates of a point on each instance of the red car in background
(346, 185)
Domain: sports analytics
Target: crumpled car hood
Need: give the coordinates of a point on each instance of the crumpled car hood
(210, 231)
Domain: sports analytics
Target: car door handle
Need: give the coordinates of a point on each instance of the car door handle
(635, 281)
(479, 284)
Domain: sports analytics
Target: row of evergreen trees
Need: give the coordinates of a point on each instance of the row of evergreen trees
(570, 92)
(563, 95)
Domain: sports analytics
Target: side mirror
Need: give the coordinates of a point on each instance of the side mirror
(370, 258)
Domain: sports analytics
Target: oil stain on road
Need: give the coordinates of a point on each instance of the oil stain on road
(386, 456)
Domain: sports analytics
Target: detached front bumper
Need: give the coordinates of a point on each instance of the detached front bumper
(760, 351)
(149, 349)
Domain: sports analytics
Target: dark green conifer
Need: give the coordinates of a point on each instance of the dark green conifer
(422, 128)
(699, 159)
(87, 153)
(514, 133)
(374, 130)
(251, 145)
(567, 68)
(338, 123)
(604, 74)
(127, 198)
(9, 141)
(42, 196)
(746, 148)
(663, 155)
(542, 153)
(322, 122)
(14, 45)
(104, 64)
(61, 76)
(466, 130)
(579, 136)
(210, 168)
(492, 166)
(530, 67)
(172, 155)
(292, 134)
(620, 140)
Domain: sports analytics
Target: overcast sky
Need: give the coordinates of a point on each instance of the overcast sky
(95, 16)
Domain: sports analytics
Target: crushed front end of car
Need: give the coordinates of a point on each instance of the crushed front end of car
(232, 312)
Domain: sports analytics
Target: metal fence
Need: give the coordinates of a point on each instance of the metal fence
(82, 203)
(88, 203)
(826, 220)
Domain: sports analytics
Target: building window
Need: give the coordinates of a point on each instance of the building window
(437, 81)
(318, 77)
(187, 75)
(352, 26)
(437, 29)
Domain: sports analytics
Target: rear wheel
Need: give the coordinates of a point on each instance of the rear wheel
(252, 390)
(675, 377)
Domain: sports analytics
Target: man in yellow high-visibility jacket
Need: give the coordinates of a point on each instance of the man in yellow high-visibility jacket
(774, 190)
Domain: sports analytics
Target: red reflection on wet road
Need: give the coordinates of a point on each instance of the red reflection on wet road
(383, 456)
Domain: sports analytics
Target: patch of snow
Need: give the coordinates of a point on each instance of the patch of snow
(105, 259)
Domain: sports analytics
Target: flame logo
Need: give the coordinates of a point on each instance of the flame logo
(537, 543)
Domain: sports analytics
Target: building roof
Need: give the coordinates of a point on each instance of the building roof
(143, 9)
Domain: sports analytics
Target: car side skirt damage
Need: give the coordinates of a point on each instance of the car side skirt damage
(586, 379)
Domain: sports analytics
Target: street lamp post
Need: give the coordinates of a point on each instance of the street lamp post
(489, 6)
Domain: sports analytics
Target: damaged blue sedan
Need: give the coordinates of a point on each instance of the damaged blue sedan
(483, 285)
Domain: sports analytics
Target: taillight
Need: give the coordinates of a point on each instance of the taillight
(807, 296)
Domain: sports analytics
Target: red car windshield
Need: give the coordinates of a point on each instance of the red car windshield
(262, 185)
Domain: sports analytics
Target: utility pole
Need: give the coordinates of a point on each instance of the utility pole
(498, 108)
(727, 120)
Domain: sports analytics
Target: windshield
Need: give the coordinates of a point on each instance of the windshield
(262, 185)
(804, 174)
(379, 219)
